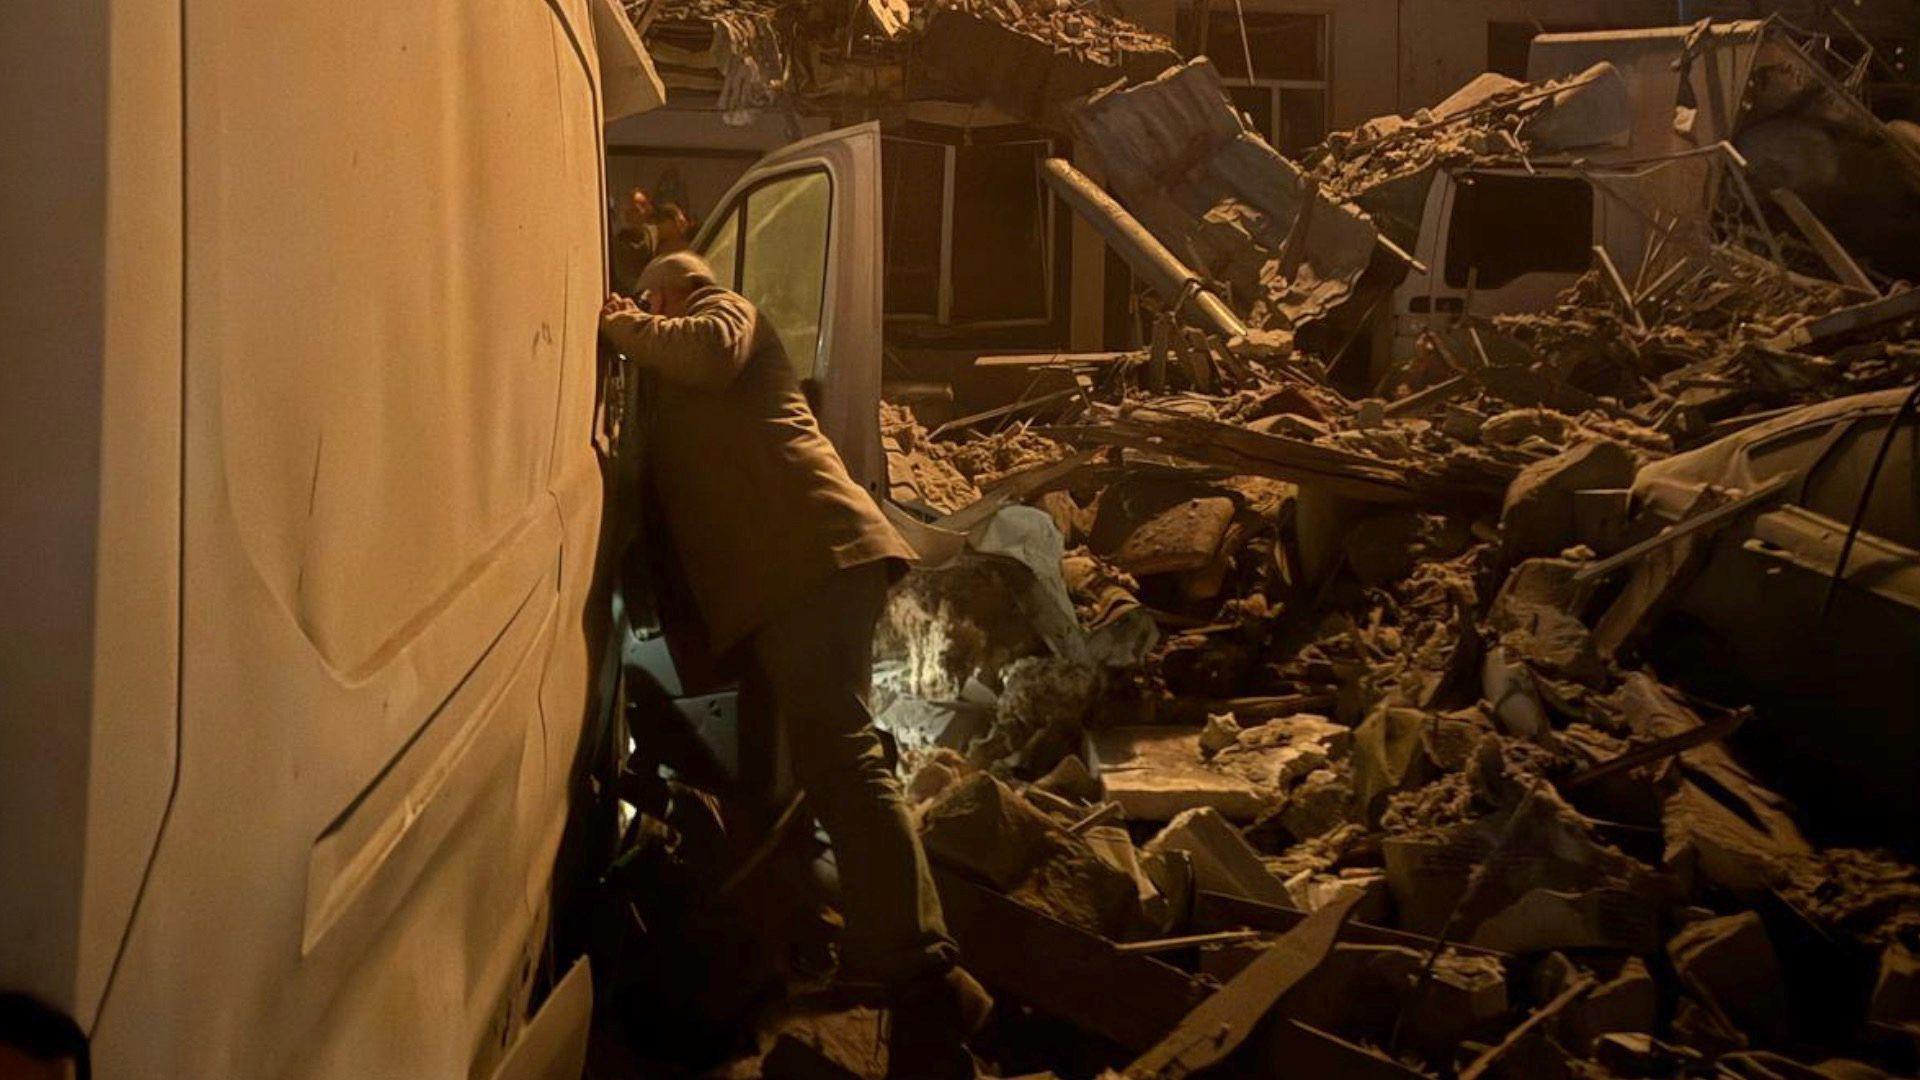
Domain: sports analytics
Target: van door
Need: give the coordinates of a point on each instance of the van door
(799, 235)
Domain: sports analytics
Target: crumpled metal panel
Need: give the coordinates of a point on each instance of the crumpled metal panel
(1173, 149)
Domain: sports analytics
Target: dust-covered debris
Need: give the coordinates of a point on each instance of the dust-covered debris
(1425, 623)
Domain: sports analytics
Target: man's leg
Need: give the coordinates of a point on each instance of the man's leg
(817, 662)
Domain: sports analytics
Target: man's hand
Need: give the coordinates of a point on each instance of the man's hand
(615, 305)
(621, 320)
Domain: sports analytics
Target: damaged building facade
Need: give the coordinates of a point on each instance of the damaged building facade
(979, 254)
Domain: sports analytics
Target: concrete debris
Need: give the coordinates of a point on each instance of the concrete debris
(1147, 531)
(1896, 990)
(1158, 773)
(1628, 1002)
(1070, 779)
(1538, 516)
(1354, 608)
(984, 828)
(1730, 964)
(1222, 860)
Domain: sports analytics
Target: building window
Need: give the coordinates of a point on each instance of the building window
(969, 231)
(1285, 95)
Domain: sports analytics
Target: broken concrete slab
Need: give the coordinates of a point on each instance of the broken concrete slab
(1155, 773)
(1720, 822)
(1730, 964)
(1155, 527)
(1222, 859)
(1543, 919)
(1628, 1002)
(1072, 780)
(979, 825)
(983, 827)
(1321, 802)
(1896, 990)
(1077, 981)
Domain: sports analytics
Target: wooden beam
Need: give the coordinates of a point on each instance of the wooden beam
(1222, 911)
(1851, 320)
(1619, 284)
(1712, 518)
(1830, 250)
(1217, 1026)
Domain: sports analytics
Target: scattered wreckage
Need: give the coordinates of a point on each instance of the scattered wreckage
(1398, 787)
(1395, 671)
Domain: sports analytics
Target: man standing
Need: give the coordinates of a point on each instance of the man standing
(788, 559)
(634, 241)
(672, 228)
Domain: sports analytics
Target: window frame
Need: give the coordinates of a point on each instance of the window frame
(736, 208)
(1049, 248)
(1201, 45)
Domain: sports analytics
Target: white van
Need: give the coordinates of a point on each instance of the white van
(304, 602)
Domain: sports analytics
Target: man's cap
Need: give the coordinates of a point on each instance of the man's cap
(679, 270)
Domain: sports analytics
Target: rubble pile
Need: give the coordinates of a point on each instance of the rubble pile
(1274, 708)
(738, 51)
(1398, 765)
(1493, 120)
(1079, 28)
(1383, 693)
(1026, 56)
(1030, 57)
(1720, 337)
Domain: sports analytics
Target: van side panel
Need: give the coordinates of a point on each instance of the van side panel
(90, 433)
(392, 275)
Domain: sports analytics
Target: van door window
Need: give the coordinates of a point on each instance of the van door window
(783, 259)
(723, 251)
(1510, 226)
(771, 247)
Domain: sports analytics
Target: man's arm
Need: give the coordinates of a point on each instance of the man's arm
(704, 349)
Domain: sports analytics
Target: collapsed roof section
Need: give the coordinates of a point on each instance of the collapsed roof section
(1182, 160)
(1024, 57)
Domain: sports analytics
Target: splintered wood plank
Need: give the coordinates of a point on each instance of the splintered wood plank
(1218, 1025)
(1825, 244)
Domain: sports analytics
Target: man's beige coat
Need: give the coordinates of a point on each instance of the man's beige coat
(758, 503)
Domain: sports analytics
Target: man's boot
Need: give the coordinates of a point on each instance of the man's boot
(930, 1021)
